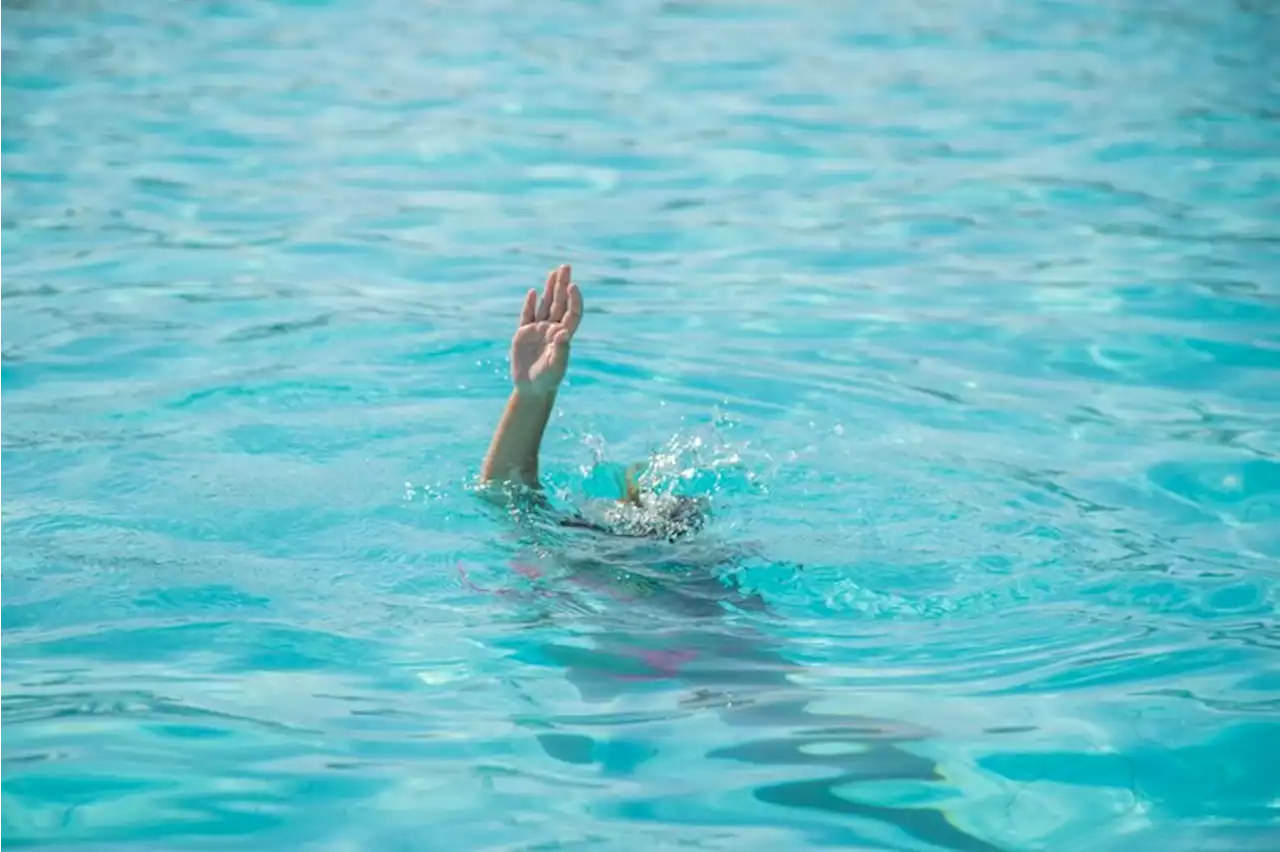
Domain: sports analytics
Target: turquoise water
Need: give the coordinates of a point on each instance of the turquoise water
(965, 316)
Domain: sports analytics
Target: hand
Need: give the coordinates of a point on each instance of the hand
(540, 347)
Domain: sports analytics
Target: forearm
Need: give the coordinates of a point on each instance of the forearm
(513, 453)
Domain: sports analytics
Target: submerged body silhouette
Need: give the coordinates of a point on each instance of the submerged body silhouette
(644, 617)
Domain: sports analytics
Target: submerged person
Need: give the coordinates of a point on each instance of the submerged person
(633, 546)
(744, 675)
(539, 360)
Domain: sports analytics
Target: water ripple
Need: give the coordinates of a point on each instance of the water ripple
(963, 318)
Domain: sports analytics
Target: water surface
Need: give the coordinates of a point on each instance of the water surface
(965, 316)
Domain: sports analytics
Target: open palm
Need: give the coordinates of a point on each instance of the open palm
(540, 347)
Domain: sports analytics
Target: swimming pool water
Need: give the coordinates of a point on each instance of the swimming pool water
(964, 315)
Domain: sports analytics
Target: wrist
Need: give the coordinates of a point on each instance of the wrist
(532, 394)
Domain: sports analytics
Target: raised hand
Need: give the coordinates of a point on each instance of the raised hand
(539, 356)
(540, 347)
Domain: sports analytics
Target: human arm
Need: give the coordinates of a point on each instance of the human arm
(539, 358)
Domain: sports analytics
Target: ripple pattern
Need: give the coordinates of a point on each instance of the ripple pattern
(965, 316)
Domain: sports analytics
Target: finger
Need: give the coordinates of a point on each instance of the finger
(560, 302)
(530, 307)
(573, 316)
(544, 307)
(562, 338)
